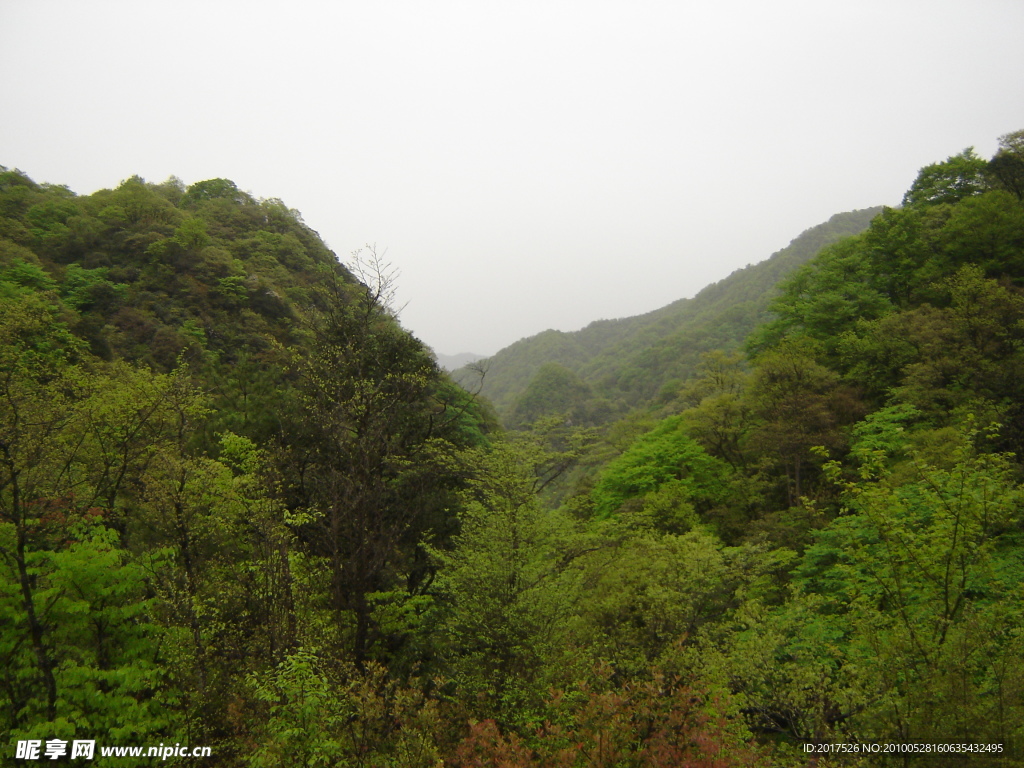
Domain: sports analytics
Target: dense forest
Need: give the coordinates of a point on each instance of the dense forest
(242, 508)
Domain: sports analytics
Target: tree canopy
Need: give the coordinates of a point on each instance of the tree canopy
(241, 507)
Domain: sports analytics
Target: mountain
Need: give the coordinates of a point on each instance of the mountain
(625, 363)
(239, 501)
(454, 362)
(181, 369)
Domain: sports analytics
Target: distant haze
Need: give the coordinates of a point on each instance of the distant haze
(524, 165)
(453, 362)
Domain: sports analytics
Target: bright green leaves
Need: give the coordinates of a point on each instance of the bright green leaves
(305, 719)
(110, 678)
(71, 442)
(925, 571)
(923, 308)
(211, 189)
(34, 340)
(28, 275)
(191, 235)
(800, 405)
(987, 231)
(904, 619)
(649, 591)
(962, 356)
(959, 176)
(665, 459)
(85, 289)
(927, 542)
(824, 297)
(48, 222)
(102, 644)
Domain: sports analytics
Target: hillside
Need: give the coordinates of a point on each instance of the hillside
(251, 516)
(623, 363)
(208, 426)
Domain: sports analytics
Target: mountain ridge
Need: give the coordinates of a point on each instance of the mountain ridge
(625, 362)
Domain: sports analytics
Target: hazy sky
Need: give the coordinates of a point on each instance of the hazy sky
(525, 165)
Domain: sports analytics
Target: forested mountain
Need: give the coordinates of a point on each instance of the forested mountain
(242, 509)
(611, 366)
(208, 427)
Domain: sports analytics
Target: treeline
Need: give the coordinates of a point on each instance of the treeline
(240, 507)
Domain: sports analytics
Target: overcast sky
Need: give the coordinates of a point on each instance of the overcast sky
(525, 165)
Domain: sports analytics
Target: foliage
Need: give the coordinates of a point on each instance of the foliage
(241, 507)
(505, 589)
(554, 390)
(667, 461)
(314, 715)
(660, 722)
(1006, 169)
(951, 181)
(368, 453)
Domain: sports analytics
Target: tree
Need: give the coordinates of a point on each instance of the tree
(919, 574)
(81, 650)
(959, 176)
(648, 594)
(211, 189)
(98, 641)
(553, 391)
(845, 283)
(720, 417)
(800, 405)
(1007, 166)
(316, 713)
(368, 458)
(665, 455)
(663, 721)
(504, 591)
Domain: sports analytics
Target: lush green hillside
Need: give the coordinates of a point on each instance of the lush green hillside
(872, 440)
(212, 439)
(242, 509)
(627, 362)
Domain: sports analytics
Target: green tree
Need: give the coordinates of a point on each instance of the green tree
(314, 713)
(800, 405)
(649, 593)
(82, 650)
(959, 176)
(504, 591)
(553, 391)
(369, 457)
(98, 634)
(719, 416)
(920, 575)
(1007, 166)
(211, 189)
(665, 455)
